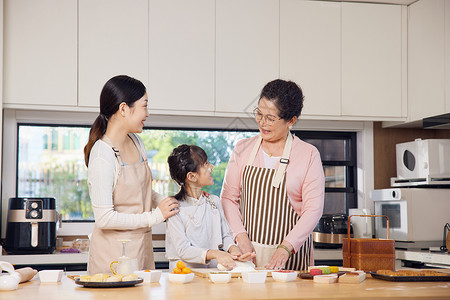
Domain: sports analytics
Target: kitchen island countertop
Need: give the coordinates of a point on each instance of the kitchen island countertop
(201, 288)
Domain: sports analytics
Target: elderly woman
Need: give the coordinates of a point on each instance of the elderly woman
(273, 191)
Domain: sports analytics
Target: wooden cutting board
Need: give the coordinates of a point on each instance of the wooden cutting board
(204, 273)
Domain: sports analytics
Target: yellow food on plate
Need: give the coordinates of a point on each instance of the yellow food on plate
(186, 270)
(100, 277)
(114, 278)
(85, 278)
(130, 277)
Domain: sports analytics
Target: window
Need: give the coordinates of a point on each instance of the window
(50, 163)
(338, 154)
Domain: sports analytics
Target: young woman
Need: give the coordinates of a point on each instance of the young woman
(198, 234)
(120, 180)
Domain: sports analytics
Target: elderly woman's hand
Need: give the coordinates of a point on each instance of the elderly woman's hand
(244, 243)
(280, 257)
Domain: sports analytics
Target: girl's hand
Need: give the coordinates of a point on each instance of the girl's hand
(222, 257)
(280, 257)
(169, 207)
(244, 243)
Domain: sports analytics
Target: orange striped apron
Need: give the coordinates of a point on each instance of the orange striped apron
(267, 215)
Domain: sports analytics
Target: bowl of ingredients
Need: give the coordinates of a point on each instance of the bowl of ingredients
(149, 275)
(284, 275)
(181, 274)
(220, 277)
(254, 276)
(50, 275)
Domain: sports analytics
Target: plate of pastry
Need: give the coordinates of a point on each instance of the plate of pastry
(107, 281)
(410, 275)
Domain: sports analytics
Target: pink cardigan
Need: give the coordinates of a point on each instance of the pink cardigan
(305, 183)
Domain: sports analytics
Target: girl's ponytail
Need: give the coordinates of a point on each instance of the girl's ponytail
(98, 129)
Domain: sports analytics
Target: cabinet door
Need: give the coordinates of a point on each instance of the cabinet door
(113, 40)
(371, 60)
(310, 53)
(247, 52)
(181, 63)
(426, 54)
(40, 52)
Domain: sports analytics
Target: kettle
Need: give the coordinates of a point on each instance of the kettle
(31, 226)
(10, 281)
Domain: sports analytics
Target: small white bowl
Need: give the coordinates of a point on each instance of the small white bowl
(220, 277)
(50, 275)
(152, 276)
(181, 278)
(254, 276)
(284, 276)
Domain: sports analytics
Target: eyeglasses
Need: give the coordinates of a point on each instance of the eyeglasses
(268, 119)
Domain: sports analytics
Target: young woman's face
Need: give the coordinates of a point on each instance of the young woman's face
(138, 114)
(204, 175)
(271, 126)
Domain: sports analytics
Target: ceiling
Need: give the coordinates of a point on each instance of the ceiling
(403, 2)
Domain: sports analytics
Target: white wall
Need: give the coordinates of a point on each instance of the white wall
(12, 117)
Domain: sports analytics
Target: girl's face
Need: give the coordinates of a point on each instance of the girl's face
(203, 175)
(137, 115)
(271, 126)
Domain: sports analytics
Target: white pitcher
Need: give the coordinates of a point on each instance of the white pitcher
(125, 265)
(10, 281)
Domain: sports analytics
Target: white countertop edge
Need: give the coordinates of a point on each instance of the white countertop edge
(80, 258)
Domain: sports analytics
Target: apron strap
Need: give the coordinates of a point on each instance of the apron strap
(138, 146)
(252, 156)
(284, 160)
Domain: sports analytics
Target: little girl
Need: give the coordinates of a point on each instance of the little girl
(198, 234)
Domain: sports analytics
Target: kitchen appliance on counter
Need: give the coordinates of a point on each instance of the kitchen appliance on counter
(31, 226)
(423, 162)
(416, 215)
(330, 231)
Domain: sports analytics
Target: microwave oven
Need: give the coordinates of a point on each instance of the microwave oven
(422, 159)
(416, 215)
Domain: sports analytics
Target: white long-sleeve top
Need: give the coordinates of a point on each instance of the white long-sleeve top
(103, 170)
(199, 226)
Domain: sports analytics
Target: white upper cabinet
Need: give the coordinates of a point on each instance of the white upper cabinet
(426, 56)
(181, 56)
(247, 52)
(113, 40)
(310, 53)
(372, 60)
(40, 52)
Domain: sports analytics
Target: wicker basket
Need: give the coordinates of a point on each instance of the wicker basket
(368, 254)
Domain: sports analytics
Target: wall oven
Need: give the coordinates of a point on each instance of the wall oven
(417, 216)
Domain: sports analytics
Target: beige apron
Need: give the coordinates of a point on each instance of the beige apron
(267, 214)
(132, 195)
